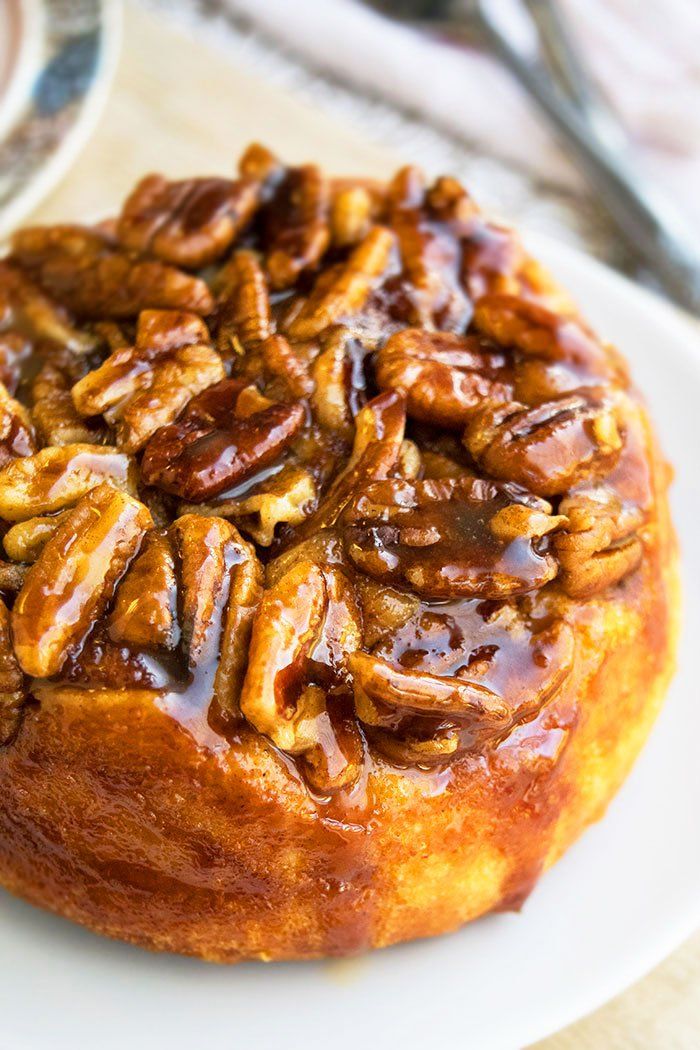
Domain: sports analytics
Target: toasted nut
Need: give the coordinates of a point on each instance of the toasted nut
(244, 318)
(282, 364)
(31, 311)
(444, 376)
(16, 431)
(144, 611)
(12, 694)
(53, 412)
(26, 540)
(69, 587)
(431, 256)
(146, 386)
(296, 227)
(260, 164)
(12, 577)
(449, 539)
(221, 586)
(350, 290)
(189, 223)
(351, 215)
(284, 499)
(600, 544)
(55, 478)
(306, 626)
(339, 382)
(547, 448)
(196, 460)
(83, 269)
(379, 430)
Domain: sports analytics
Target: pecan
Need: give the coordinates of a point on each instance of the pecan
(25, 307)
(546, 338)
(84, 270)
(197, 459)
(296, 225)
(70, 585)
(344, 296)
(351, 215)
(221, 584)
(55, 478)
(307, 624)
(12, 577)
(25, 541)
(444, 376)
(431, 256)
(12, 694)
(379, 430)
(283, 499)
(550, 447)
(416, 714)
(261, 165)
(451, 538)
(339, 382)
(145, 387)
(144, 612)
(16, 431)
(190, 223)
(14, 351)
(600, 544)
(244, 318)
(53, 412)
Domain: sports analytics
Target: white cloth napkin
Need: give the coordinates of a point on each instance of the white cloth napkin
(646, 54)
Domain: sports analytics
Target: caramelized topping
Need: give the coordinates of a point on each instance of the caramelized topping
(377, 386)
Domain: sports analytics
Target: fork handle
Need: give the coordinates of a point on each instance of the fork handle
(648, 222)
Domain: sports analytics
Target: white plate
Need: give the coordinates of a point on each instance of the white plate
(616, 904)
(57, 58)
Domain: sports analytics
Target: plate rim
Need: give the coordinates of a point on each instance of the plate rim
(59, 160)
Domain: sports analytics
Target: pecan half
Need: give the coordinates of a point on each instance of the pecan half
(144, 387)
(600, 544)
(547, 448)
(69, 587)
(144, 613)
(351, 215)
(338, 299)
(444, 376)
(12, 693)
(339, 382)
(286, 498)
(197, 458)
(431, 256)
(24, 307)
(55, 416)
(243, 315)
(449, 539)
(307, 624)
(190, 223)
(221, 583)
(379, 430)
(16, 431)
(296, 226)
(25, 541)
(560, 354)
(416, 714)
(55, 478)
(83, 269)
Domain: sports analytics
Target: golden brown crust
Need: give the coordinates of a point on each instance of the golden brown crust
(432, 652)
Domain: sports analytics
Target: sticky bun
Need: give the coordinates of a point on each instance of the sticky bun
(338, 584)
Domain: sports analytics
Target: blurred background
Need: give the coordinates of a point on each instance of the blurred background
(524, 99)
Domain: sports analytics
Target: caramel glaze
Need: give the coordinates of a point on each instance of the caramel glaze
(211, 781)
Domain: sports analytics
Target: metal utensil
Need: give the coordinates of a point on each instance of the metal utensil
(557, 80)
